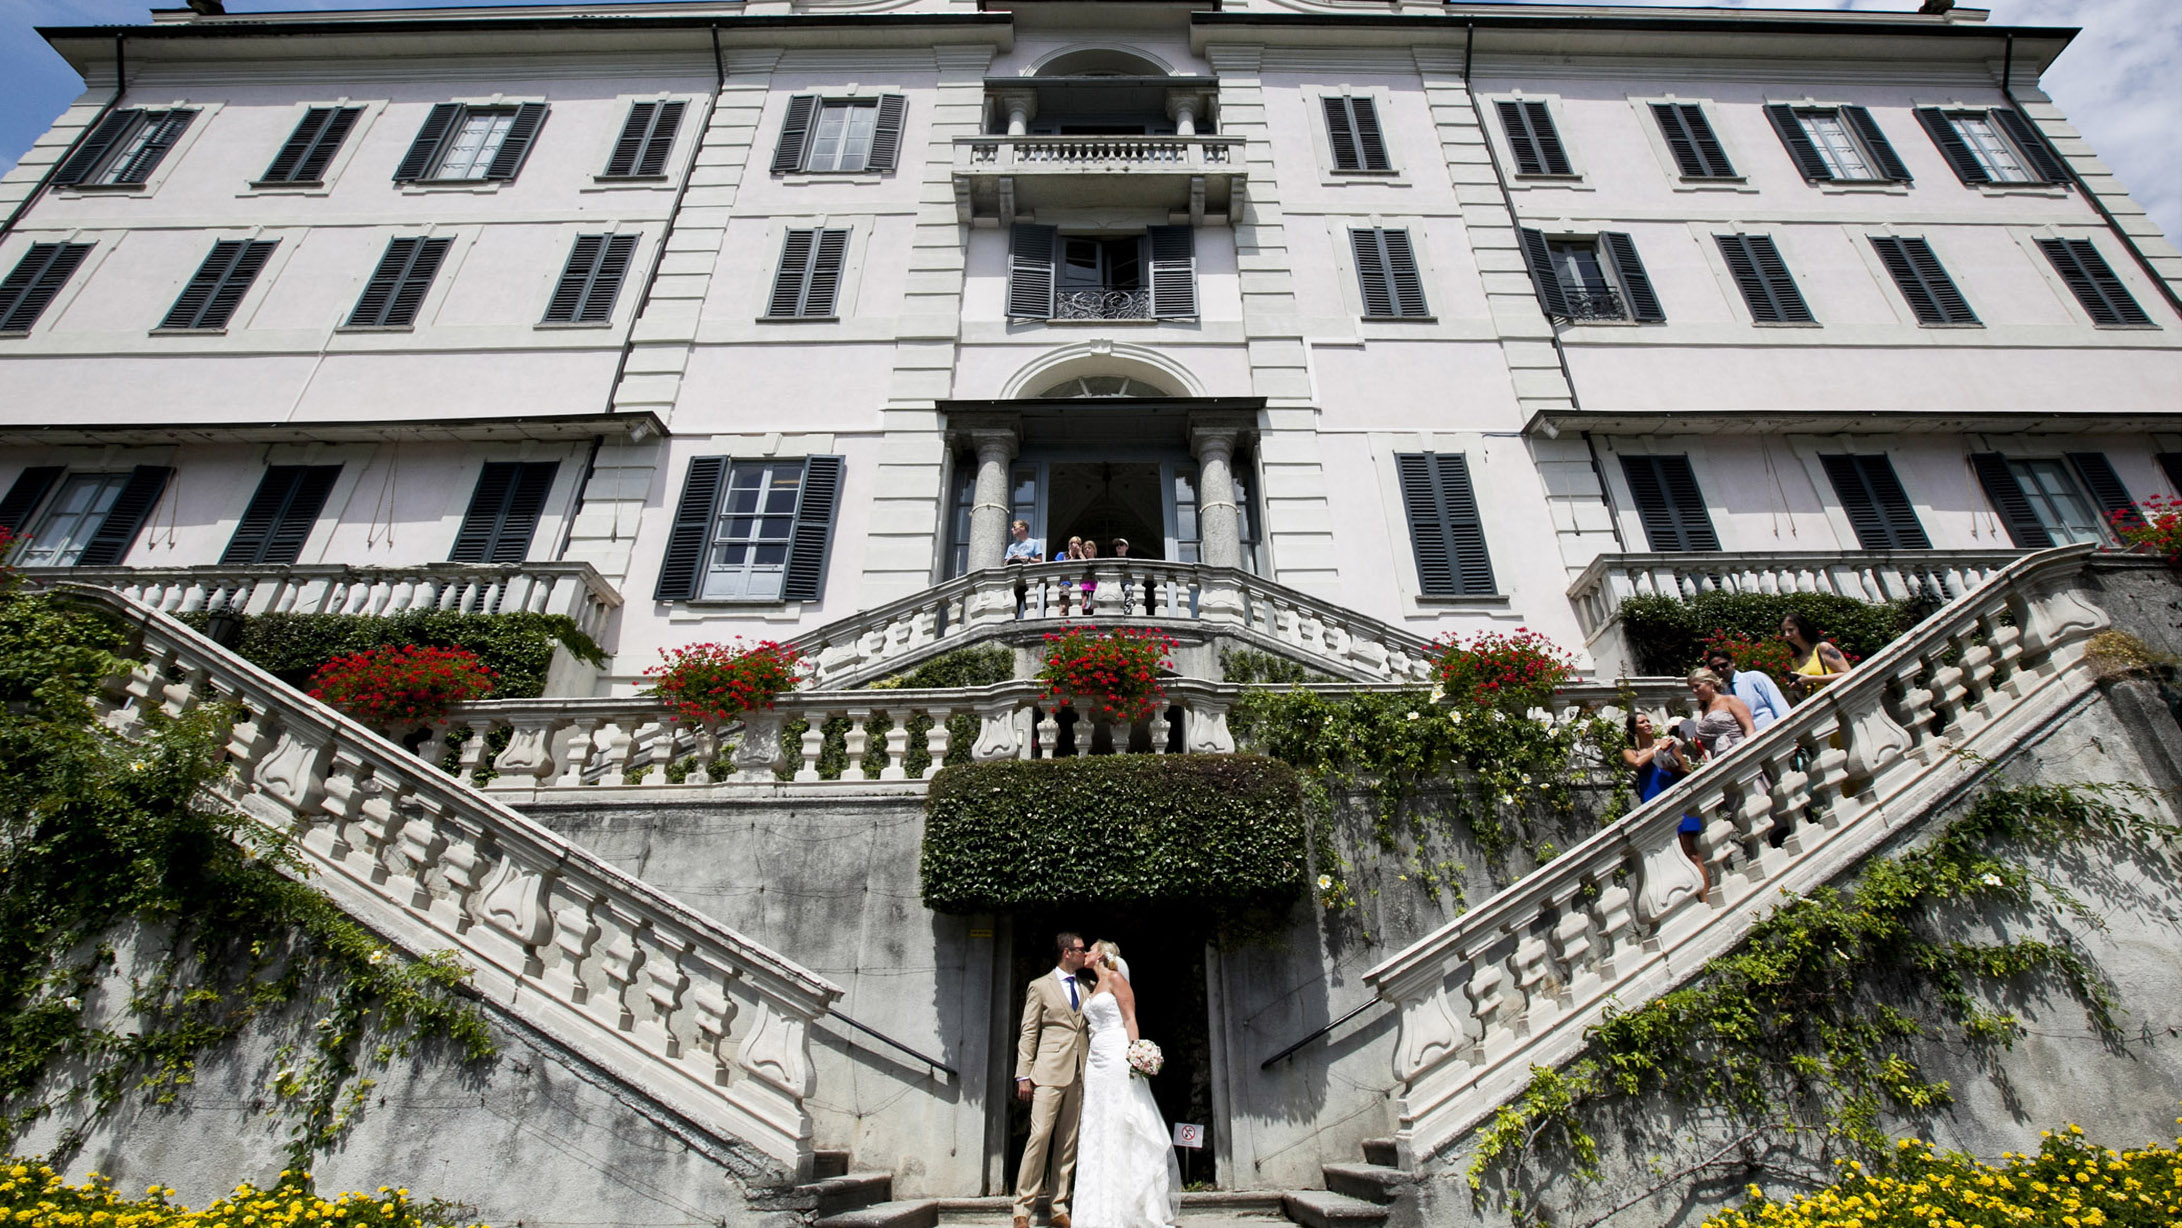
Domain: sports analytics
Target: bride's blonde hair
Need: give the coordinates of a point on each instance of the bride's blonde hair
(1109, 955)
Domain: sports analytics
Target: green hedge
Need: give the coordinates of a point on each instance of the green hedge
(516, 647)
(1667, 635)
(986, 666)
(1218, 831)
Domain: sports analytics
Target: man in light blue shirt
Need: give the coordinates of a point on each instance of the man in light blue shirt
(1753, 687)
(1025, 548)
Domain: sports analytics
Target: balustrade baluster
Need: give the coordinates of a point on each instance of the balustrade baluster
(1530, 972)
(619, 957)
(897, 742)
(705, 737)
(621, 747)
(418, 842)
(574, 934)
(1573, 946)
(1159, 727)
(814, 744)
(661, 1028)
(1613, 917)
(1046, 731)
(857, 744)
(576, 751)
(527, 761)
(937, 741)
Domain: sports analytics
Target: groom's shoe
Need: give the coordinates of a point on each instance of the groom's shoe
(1059, 1220)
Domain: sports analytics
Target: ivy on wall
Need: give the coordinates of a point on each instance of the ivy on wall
(516, 647)
(1796, 1033)
(1666, 635)
(99, 835)
(986, 665)
(1211, 831)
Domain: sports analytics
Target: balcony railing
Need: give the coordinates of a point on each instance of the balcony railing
(1901, 575)
(1001, 176)
(1102, 305)
(1599, 304)
(1007, 154)
(572, 589)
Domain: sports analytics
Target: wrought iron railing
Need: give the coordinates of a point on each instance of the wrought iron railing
(1102, 305)
(1598, 304)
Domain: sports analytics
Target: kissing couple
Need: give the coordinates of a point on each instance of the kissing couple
(1098, 1126)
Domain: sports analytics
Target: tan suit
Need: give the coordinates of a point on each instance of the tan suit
(1050, 1053)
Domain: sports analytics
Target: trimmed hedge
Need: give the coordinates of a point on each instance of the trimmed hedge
(517, 648)
(1217, 831)
(1667, 635)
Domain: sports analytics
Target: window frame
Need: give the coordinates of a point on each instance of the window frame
(1330, 173)
(336, 158)
(1379, 230)
(1733, 286)
(1496, 131)
(2041, 500)
(56, 252)
(819, 101)
(201, 114)
(430, 178)
(247, 247)
(88, 521)
(425, 299)
(1862, 144)
(1936, 292)
(636, 177)
(600, 262)
(2130, 314)
(144, 486)
(815, 524)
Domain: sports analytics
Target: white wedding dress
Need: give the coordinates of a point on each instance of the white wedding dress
(1126, 1175)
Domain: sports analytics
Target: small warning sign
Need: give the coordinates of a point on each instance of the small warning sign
(1188, 1134)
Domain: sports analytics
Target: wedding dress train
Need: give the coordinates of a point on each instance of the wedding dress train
(1126, 1175)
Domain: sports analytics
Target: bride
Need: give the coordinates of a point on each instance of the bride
(1126, 1176)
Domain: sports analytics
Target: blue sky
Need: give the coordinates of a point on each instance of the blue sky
(2121, 83)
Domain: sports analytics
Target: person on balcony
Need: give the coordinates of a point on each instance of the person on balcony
(1090, 586)
(1818, 662)
(1723, 721)
(1755, 688)
(1023, 548)
(1121, 547)
(1074, 550)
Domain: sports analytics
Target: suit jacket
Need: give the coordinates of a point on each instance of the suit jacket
(1051, 1048)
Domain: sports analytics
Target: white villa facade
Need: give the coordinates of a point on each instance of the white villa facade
(400, 289)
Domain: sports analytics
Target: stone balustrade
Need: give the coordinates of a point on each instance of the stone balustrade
(571, 589)
(1183, 596)
(1031, 154)
(1901, 575)
(1516, 982)
(685, 1010)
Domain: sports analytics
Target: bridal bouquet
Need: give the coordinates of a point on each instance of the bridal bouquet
(1145, 1059)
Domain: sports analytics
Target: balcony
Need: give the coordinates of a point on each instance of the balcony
(1596, 304)
(1001, 179)
(571, 589)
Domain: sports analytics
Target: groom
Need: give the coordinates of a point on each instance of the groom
(1049, 1074)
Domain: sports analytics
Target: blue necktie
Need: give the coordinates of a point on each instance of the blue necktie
(1074, 1003)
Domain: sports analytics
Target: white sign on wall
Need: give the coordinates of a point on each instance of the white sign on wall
(1188, 1134)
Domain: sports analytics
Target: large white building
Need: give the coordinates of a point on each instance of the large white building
(1362, 323)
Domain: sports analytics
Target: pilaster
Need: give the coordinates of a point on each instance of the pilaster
(2101, 182)
(17, 184)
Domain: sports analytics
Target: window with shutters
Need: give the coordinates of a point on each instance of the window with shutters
(88, 519)
(2092, 281)
(2056, 500)
(213, 293)
(278, 520)
(1997, 146)
(1878, 509)
(1535, 143)
(839, 135)
(1664, 489)
(30, 286)
(1445, 529)
(647, 135)
(2053, 501)
(756, 530)
(504, 510)
(1387, 275)
(125, 148)
(1147, 276)
(1755, 264)
(1923, 281)
(462, 143)
(1837, 144)
(808, 282)
(1697, 151)
(597, 265)
(395, 292)
(309, 150)
(1590, 280)
(1353, 135)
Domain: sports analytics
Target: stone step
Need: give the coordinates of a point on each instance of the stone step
(1200, 1209)
(847, 1192)
(826, 1164)
(1371, 1182)
(907, 1213)
(1326, 1209)
(1381, 1151)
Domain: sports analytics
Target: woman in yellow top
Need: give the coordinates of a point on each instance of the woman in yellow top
(1818, 662)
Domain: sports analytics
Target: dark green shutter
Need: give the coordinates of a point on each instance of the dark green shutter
(809, 277)
(1445, 529)
(827, 261)
(1173, 260)
(90, 155)
(1697, 151)
(2007, 497)
(515, 147)
(811, 546)
(31, 285)
(396, 290)
(1867, 129)
(2031, 143)
(1957, 151)
(213, 293)
(28, 491)
(1800, 148)
(423, 156)
(109, 546)
(1762, 276)
(1923, 281)
(597, 265)
(1341, 135)
(1387, 273)
(795, 132)
(646, 137)
(1402, 272)
(886, 133)
(1537, 146)
(1644, 306)
(1878, 508)
(2093, 283)
(1031, 275)
(1669, 503)
(1538, 257)
(681, 572)
(1352, 129)
(504, 510)
(2106, 489)
(278, 520)
(303, 157)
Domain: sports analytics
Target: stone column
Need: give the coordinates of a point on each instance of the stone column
(989, 499)
(1021, 108)
(1219, 528)
(1185, 116)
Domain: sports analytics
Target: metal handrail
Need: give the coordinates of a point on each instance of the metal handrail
(1353, 1012)
(874, 1033)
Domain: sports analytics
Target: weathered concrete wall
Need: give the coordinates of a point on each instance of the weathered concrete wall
(534, 1136)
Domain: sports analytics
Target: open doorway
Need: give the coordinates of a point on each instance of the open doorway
(1166, 954)
(1104, 500)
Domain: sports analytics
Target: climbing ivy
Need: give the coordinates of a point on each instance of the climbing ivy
(984, 665)
(1794, 1033)
(517, 647)
(101, 836)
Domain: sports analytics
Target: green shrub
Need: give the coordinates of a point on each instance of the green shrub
(1253, 668)
(517, 648)
(1216, 831)
(1667, 635)
(981, 666)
